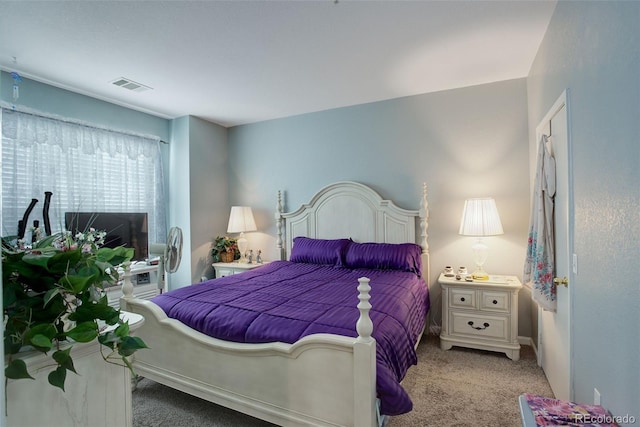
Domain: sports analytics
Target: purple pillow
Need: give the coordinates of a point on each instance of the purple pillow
(385, 256)
(318, 251)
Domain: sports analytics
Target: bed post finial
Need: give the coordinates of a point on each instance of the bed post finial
(364, 326)
(424, 217)
(279, 225)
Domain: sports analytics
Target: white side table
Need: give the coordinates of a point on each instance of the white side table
(481, 314)
(228, 268)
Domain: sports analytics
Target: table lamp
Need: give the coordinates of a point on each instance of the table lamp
(241, 220)
(480, 218)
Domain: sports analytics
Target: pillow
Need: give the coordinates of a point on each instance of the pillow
(385, 256)
(318, 251)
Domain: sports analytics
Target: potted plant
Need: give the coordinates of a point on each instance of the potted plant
(52, 295)
(225, 249)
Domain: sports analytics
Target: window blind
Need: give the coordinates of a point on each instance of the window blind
(87, 169)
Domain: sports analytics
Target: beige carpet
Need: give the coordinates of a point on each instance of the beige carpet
(459, 387)
(465, 387)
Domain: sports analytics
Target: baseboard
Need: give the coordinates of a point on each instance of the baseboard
(525, 340)
(528, 341)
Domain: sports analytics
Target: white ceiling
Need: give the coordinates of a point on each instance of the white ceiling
(236, 62)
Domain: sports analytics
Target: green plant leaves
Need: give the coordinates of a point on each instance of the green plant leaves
(120, 339)
(38, 260)
(89, 311)
(84, 332)
(16, 370)
(41, 336)
(114, 256)
(60, 279)
(63, 357)
(58, 377)
(76, 283)
(41, 342)
(129, 345)
(51, 293)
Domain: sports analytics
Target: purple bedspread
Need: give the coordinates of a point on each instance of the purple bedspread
(285, 301)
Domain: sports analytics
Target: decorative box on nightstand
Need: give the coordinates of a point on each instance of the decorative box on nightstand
(228, 268)
(481, 314)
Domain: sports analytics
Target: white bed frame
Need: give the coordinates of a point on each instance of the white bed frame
(322, 379)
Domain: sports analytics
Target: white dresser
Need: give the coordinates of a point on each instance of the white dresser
(99, 396)
(481, 314)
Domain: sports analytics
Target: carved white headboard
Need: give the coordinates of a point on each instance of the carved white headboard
(352, 210)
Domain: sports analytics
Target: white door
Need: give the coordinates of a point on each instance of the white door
(554, 329)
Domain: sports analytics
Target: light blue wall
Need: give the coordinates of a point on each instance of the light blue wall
(52, 100)
(593, 49)
(468, 142)
(179, 197)
(209, 201)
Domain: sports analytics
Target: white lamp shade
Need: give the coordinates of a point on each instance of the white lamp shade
(241, 220)
(480, 218)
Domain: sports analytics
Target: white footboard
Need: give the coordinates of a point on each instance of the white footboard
(321, 380)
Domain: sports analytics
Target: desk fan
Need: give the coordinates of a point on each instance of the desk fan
(170, 254)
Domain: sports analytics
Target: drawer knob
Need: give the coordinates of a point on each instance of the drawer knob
(495, 302)
(485, 325)
(462, 299)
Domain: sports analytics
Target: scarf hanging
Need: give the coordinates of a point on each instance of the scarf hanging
(539, 266)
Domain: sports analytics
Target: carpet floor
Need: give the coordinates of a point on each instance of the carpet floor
(459, 387)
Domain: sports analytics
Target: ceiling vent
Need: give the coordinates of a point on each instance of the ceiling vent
(130, 84)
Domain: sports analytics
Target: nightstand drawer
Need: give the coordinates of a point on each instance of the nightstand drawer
(222, 272)
(462, 298)
(494, 301)
(477, 325)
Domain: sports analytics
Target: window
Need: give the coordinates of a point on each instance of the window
(87, 169)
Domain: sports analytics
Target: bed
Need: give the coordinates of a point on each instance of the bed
(341, 362)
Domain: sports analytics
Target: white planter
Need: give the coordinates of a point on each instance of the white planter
(100, 396)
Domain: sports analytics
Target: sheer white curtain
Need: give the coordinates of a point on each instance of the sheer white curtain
(87, 169)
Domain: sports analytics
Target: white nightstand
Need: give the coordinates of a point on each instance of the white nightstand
(228, 268)
(481, 314)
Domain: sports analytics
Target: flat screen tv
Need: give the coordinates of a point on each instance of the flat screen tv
(123, 229)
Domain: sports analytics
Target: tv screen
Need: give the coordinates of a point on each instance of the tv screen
(123, 229)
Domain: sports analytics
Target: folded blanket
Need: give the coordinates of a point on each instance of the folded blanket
(555, 412)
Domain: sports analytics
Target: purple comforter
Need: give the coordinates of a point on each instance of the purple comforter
(285, 301)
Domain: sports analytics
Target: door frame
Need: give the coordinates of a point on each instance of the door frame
(543, 128)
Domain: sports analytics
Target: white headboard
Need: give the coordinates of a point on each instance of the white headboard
(352, 210)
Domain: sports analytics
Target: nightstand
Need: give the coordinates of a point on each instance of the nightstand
(481, 314)
(228, 268)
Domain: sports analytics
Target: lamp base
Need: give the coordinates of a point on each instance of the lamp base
(480, 275)
(480, 251)
(242, 247)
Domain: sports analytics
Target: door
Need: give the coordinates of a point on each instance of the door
(554, 329)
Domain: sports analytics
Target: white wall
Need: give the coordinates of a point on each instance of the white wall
(468, 142)
(593, 49)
